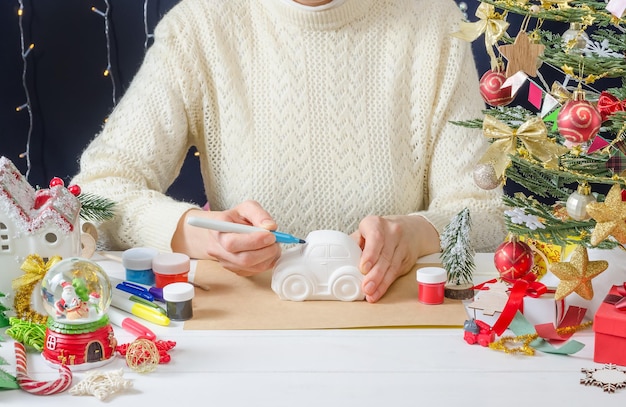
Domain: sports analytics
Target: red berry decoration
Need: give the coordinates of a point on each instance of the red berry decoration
(56, 181)
(492, 91)
(74, 189)
(513, 260)
(578, 120)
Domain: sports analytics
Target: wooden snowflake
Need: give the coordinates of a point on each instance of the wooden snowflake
(610, 378)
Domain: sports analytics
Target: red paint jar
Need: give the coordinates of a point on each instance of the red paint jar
(431, 283)
(170, 268)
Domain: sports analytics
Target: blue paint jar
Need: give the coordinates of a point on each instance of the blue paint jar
(138, 264)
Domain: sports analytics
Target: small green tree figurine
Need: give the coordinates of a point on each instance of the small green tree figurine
(457, 257)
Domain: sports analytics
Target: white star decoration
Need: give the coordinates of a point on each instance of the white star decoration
(101, 384)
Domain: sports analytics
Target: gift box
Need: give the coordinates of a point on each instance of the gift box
(491, 300)
(609, 325)
(543, 309)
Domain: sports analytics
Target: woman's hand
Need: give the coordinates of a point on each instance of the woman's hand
(391, 246)
(245, 254)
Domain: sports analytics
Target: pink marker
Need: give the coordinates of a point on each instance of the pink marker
(130, 325)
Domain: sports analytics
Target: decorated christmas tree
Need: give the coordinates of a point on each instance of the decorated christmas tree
(555, 118)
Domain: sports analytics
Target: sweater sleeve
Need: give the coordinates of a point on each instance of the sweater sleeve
(455, 150)
(141, 149)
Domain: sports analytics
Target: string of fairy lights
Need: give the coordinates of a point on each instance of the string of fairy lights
(107, 34)
(27, 104)
(27, 47)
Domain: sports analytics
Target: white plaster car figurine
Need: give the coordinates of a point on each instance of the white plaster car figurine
(326, 267)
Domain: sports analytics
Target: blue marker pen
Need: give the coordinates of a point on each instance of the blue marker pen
(222, 226)
(135, 289)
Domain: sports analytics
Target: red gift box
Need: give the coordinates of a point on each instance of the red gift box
(609, 325)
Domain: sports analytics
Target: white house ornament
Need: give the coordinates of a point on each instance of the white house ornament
(34, 221)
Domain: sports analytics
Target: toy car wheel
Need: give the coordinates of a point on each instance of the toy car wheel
(347, 288)
(296, 287)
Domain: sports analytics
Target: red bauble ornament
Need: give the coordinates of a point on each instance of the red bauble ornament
(56, 181)
(578, 120)
(74, 189)
(492, 91)
(513, 260)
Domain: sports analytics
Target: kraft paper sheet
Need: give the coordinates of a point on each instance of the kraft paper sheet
(234, 302)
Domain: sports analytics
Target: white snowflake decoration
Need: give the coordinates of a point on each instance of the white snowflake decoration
(610, 378)
(519, 217)
(600, 49)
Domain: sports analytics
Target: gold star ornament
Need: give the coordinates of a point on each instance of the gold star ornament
(610, 217)
(522, 55)
(576, 275)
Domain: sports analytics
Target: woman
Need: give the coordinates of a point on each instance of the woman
(306, 115)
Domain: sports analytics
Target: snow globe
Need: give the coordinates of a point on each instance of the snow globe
(76, 294)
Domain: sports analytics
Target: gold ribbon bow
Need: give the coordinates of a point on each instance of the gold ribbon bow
(490, 23)
(532, 133)
(34, 270)
(560, 93)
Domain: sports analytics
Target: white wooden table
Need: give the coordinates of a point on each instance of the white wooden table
(360, 367)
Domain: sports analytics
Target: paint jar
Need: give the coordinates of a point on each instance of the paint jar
(431, 283)
(170, 268)
(138, 264)
(178, 298)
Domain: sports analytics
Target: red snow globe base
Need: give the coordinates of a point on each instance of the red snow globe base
(76, 294)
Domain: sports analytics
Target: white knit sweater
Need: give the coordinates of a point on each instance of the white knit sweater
(323, 117)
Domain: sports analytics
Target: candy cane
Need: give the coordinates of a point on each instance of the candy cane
(35, 387)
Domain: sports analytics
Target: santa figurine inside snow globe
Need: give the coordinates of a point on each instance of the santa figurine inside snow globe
(76, 294)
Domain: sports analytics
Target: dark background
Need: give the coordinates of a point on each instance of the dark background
(69, 95)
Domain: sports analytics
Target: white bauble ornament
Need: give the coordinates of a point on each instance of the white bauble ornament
(576, 205)
(485, 177)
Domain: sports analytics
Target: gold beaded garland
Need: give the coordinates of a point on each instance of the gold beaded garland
(21, 305)
(507, 344)
(34, 271)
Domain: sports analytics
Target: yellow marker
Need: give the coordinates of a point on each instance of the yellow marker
(140, 310)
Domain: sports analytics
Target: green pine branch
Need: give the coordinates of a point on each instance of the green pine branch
(95, 208)
(556, 230)
(578, 10)
(559, 183)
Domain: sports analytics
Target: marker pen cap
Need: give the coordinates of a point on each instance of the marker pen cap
(431, 285)
(138, 264)
(170, 268)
